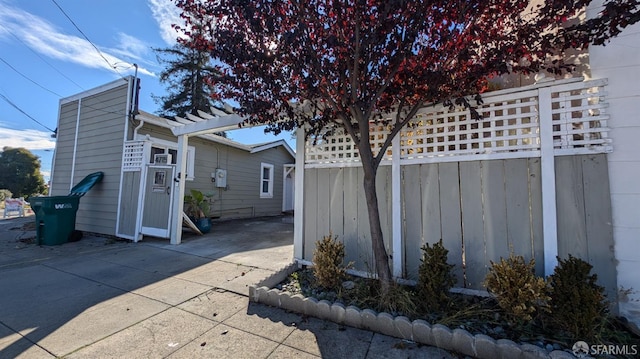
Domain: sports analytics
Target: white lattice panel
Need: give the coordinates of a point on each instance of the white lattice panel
(510, 128)
(579, 120)
(340, 148)
(508, 125)
(133, 156)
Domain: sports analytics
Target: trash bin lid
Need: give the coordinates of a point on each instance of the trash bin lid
(86, 184)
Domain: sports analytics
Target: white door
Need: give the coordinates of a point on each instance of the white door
(288, 195)
(156, 212)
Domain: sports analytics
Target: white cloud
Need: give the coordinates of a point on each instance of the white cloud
(32, 140)
(132, 44)
(45, 38)
(166, 13)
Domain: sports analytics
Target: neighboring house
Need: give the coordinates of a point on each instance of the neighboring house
(138, 155)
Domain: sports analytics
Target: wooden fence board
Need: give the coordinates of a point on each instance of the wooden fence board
(430, 193)
(518, 211)
(535, 193)
(450, 221)
(323, 226)
(570, 203)
(598, 221)
(336, 215)
(383, 191)
(495, 211)
(310, 212)
(350, 185)
(412, 215)
(475, 260)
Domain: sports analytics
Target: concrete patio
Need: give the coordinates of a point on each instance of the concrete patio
(112, 299)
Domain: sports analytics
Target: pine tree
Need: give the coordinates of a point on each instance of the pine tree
(186, 74)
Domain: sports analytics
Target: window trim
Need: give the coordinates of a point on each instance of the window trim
(168, 145)
(271, 169)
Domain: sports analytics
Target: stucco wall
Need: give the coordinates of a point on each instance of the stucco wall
(619, 61)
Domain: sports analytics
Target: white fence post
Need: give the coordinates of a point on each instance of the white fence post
(298, 212)
(396, 206)
(178, 190)
(548, 173)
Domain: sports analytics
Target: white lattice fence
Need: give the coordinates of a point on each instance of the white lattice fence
(508, 125)
(339, 148)
(579, 119)
(133, 156)
(510, 128)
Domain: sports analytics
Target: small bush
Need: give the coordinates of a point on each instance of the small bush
(435, 278)
(578, 305)
(368, 294)
(328, 263)
(520, 294)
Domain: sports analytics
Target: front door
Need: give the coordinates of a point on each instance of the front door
(288, 196)
(156, 214)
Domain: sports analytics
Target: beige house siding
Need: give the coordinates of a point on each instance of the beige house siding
(98, 148)
(91, 129)
(241, 197)
(243, 180)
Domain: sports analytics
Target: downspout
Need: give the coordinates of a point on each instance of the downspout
(133, 109)
(135, 130)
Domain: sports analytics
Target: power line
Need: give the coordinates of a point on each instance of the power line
(87, 38)
(41, 58)
(53, 92)
(23, 112)
(25, 76)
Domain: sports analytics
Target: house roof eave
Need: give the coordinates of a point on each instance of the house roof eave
(265, 146)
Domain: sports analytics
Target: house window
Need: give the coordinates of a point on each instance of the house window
(266, 180)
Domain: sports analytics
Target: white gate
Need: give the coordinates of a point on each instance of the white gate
(156, 218)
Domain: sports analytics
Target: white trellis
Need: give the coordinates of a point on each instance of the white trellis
(216, 121)
(510, 128)
(133, 156)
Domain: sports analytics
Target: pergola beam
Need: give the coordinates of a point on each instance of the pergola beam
(216, 124)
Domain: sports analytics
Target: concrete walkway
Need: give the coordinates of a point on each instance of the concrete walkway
(100, 298)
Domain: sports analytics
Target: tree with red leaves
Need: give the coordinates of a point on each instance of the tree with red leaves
(345, 64)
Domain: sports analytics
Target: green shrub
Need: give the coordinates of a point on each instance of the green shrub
(520, 294)
(368, 294)
(578, 305)
(435, 278)
(328, 263)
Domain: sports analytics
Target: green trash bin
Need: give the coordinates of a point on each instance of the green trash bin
(55, 218)
(56, 215)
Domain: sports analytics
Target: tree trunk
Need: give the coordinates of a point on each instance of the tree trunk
(379, 251)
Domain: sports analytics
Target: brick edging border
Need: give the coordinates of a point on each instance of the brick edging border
(420, 331)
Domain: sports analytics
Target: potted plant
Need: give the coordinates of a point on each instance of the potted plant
(198, 208)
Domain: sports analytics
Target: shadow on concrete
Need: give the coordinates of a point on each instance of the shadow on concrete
(116, 284)
(310, 336)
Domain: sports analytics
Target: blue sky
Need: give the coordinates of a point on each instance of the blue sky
(44, 58)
